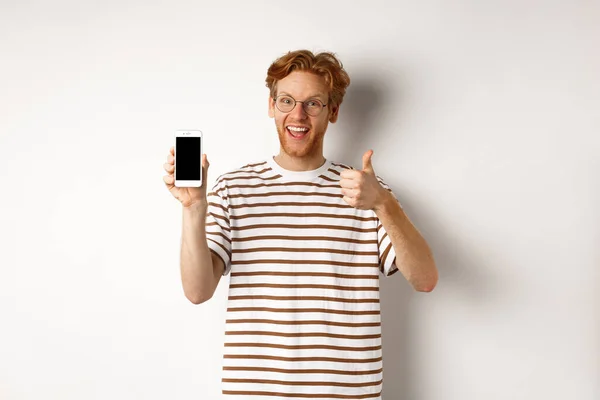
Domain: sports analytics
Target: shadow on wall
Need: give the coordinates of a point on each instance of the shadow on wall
(361, 114)
(362, 118)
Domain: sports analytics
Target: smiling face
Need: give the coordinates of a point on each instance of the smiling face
(301, 135)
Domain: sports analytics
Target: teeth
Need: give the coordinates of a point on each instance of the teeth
(295, 129)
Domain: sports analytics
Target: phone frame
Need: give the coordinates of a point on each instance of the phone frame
(188, 133)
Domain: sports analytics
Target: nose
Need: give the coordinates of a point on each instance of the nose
(298, 111)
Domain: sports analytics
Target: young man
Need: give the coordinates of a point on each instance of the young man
(304, 240)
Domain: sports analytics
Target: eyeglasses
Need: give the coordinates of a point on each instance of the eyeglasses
(285, 104)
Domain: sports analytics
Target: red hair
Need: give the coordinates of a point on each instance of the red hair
(324, 64)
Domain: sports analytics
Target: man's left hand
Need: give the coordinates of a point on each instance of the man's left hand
(361, 189)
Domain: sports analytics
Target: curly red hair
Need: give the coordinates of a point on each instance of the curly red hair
(324, 64)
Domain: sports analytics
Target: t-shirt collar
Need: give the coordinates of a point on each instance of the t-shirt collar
(298, 175)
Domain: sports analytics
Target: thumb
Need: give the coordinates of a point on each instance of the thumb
(205, 165)
(367, 165)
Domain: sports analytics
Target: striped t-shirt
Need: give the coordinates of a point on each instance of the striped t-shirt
(303, 316)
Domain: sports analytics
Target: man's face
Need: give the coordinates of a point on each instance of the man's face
(302, 86)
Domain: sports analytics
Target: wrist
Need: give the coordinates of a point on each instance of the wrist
(384, 199)
(199, 208)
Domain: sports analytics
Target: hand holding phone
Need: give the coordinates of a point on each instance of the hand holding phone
(188, 156)
(187, 168)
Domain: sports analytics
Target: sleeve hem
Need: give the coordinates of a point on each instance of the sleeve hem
(226, 265)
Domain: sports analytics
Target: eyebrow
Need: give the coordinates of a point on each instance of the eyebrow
(312, 96)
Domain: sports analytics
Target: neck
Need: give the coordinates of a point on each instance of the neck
(307, 163)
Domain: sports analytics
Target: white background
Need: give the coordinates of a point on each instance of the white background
(484, 119)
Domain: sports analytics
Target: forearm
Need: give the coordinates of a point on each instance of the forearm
(413, 255)
(196, 262)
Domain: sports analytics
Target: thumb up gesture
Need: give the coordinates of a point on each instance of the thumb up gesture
(361, 189)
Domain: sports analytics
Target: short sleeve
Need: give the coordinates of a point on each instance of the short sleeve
(387, 255)
(218, 230)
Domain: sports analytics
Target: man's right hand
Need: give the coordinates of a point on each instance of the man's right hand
(188, 196)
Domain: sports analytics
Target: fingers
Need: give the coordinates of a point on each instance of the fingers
(350, 174)
(169, 181)
(348, 183)
(350, 193)
(169, 166)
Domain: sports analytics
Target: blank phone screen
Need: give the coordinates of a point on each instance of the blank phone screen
(187, 159)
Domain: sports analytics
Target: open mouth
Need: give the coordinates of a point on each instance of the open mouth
(296, 131)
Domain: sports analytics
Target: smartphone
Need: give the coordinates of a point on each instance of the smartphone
(188, 158)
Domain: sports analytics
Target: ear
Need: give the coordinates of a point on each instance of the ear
(271, 107)
(334, 114)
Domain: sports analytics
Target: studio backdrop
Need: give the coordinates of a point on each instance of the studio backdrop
(483, 117)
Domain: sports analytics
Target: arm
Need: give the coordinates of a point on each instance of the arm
(413, 256)
(201, 270)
